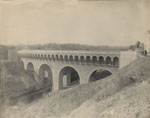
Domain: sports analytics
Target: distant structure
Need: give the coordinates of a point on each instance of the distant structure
(13, 54)
(139, 48)
(8, 53)
(147, 42)
(3, 52)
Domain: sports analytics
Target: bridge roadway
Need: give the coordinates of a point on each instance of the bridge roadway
(60, 69)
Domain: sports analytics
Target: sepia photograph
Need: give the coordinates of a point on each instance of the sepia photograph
(74, 58)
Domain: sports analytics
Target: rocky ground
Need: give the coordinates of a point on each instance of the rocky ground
(124, 94)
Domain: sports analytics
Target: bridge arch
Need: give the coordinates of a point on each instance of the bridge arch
(45, 74)
(30, 70)
(99, 74)
(68, 76)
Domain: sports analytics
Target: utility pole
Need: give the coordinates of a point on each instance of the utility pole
(2, 91)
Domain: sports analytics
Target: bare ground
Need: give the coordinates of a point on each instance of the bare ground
(125, 94)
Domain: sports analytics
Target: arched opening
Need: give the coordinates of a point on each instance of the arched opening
(45, 74)
(38, 56)
(30, 70)
(76, 59)
(116, 61)
(49, 57)
(57, 58)
(61, 58)
(101, 60)
(82, 59)
(35, 56)
(45, 57)
(42, 56)
(68, 77)
(99, 74)
(108, 61)
(66, 58)
(71, 58)
(88, 60)
(94, 60)
(53, 58)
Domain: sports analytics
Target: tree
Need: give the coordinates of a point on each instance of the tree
(138, 43)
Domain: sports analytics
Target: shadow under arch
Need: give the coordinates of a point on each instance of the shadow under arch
(45, 74)
(30, 70)
(116, 61)
(68, 77)
(99, 74)
(108, 61)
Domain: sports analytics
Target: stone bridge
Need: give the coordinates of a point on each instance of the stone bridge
(63, 69)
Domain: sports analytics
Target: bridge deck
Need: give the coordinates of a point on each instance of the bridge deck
(67, 52)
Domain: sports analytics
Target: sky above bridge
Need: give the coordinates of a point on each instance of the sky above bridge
(94, 22)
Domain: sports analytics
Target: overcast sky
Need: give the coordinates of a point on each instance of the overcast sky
(110, 22)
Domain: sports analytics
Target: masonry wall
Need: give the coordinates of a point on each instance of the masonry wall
(84, 71)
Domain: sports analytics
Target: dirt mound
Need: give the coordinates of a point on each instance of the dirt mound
(131, 102)
(62, 103)
(127, 95)
(17, 81)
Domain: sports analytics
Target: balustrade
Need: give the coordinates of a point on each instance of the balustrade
(79, 60)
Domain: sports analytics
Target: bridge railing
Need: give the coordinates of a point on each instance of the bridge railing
(87, 60)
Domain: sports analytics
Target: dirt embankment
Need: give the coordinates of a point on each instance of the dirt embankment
(17, 82)
(131, 102)
(125, 94)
